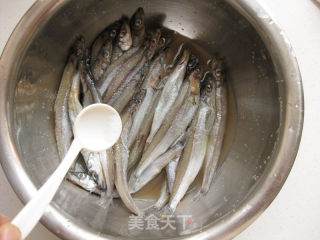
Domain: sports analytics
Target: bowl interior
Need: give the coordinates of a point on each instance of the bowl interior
(253, 121)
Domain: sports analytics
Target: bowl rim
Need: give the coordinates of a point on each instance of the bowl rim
(268, 185)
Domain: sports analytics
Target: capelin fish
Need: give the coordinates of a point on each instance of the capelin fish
(110, 32)
(124, 40)
(171, 168)
(121, 153)
(174, 52)
(154, 43)
(63, 128)
(137, 24)
(169, 94)
(138, 146)
(119, 73)
(88, 80)
(105, 158)
(164, 196)
(133, 66)
(193, 156)
(150, 84)
(135, 184)
(119, 63)
(91, 159)
(128, 89)
(176, 121)
(107, 163)
(217, 133)
(103, 59)
(84, 181)
(87, 98)
(115, 67)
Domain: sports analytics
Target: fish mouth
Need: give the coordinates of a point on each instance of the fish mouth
(125, 46)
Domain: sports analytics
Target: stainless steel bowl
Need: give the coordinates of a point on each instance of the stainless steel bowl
(264, 128)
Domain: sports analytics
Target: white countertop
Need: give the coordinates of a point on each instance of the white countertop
(295, 213)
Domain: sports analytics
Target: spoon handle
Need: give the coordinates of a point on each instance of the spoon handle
(28, 217)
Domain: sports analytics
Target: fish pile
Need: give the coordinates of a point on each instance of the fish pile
(173, 110)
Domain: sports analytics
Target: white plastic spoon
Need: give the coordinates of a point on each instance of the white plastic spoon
(97, 127)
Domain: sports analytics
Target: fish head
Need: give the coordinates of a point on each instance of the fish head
(140, 96)
(183, 61)
(95, 170)
(152, 43)
(78, 50)
(124, 37)
(208, 85)
(195, 78)
(218, 71)
(138, 22)
(193, 63)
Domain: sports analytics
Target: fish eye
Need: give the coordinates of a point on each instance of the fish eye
(106, 54)
(113, 33)
(122, 33)
(138, 22)
(95, 176)
(162, 41)
(218, 72)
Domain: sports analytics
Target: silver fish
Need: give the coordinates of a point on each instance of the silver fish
(137, 23)
(91, 159)
(124, 95)
(107, 164)
(193, 156)
(164, 196)
(138, 146)
(103, 60)
(87, 81)
(171, 170)
(63, 129)
(121, 153)
(115, 68)
(217, 133)
(110, 32)
(135, 184)
(169, 94)
(84, 181)
(127, 88)
(101, 50)
(131, 68)
(117, 65)
(150, 83)
(106, 158)
(115, 78)
(124, 40)
(176, 122)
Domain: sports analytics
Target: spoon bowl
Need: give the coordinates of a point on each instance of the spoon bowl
(98, 127)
